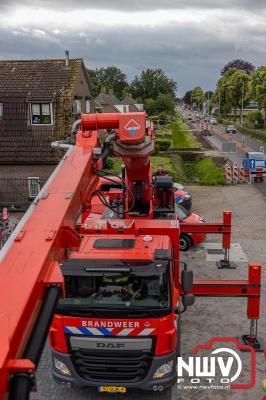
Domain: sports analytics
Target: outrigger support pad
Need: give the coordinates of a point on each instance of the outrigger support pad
(226, 263)
(252, 339)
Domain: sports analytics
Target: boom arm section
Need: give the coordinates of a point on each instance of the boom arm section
(29, 260)
(134, 142)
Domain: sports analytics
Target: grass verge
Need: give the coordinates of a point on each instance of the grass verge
(259, 134)
(180, 134)
(208, 173)
(202, 172)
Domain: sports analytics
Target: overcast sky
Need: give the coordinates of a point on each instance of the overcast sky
(190, 40)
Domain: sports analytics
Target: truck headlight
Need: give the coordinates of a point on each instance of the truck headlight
(164, 370)
(60, 366)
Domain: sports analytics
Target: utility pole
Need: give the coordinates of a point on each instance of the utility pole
(219, 102)
(242, 104)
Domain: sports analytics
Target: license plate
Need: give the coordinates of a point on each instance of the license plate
(112, 389)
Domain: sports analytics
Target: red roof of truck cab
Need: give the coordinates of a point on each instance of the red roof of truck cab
(143, 249)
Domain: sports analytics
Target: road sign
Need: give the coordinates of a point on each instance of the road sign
(249, 163)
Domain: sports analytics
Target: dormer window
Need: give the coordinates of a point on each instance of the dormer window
(41, 114)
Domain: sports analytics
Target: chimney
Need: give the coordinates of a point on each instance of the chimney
(67, 58)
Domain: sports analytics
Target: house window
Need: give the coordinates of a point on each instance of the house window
(88, 106)
(34, 186)
(76, 109)
(41, 114)
(1, 110)
(125, 109)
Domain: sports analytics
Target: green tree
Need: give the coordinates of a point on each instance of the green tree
(95, 84)
(257, 88)
(237, 86)
(208, 96)
(222, 94)
(164, 103)
(231, 88)
(187, 99)
(198, 96)
(238, 64)
(112, 78)
(150, 106)
(151, 83)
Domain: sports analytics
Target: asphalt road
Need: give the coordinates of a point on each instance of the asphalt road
(251, 144)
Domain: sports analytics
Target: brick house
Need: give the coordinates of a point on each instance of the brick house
(39, 100)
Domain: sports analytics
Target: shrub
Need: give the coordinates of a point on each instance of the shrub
(208, 173)
(254, 119)
(162, 145)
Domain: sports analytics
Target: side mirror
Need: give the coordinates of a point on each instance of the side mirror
(187, 280)
(188, 300)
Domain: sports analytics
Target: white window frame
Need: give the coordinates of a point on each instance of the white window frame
(125, 108)
(87, 102)
(40, 103)
(77, 106)
(32, 180)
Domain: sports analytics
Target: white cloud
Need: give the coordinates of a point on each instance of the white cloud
(191, 42)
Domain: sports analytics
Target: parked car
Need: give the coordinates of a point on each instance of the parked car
(213, 121)
(182, 197)
(188, 240)
(230, 129)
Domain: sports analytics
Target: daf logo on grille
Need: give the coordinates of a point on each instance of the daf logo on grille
(102, 345)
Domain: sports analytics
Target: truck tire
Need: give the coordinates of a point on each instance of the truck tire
(185, 242)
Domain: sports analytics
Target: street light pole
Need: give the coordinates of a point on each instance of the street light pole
(242, 104)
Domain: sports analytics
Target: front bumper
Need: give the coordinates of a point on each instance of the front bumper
(145, 384)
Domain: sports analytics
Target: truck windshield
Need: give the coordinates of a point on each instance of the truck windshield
(137, 286)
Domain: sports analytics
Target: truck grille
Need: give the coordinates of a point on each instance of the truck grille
(111, 366)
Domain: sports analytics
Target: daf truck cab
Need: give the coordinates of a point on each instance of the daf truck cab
(116, 328)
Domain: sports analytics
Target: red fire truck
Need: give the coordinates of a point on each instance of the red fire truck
(117, 323)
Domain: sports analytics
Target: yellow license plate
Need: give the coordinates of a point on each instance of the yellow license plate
(112, 389)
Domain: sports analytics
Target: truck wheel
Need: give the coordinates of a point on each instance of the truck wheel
(185, 243)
